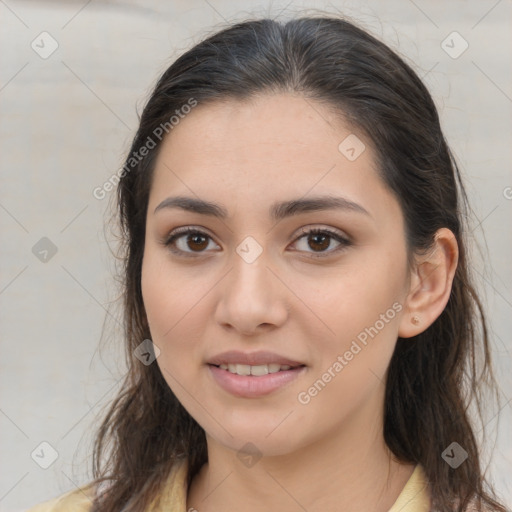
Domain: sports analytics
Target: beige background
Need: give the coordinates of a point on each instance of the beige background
(66, 122)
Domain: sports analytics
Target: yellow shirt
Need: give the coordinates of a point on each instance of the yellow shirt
(413, 498)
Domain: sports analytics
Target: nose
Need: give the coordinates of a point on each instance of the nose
(252, 298)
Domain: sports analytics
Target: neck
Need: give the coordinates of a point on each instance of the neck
(351, 471)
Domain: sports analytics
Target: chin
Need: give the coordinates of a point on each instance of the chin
(255, 440)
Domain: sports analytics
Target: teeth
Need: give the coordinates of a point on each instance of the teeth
(262, 369)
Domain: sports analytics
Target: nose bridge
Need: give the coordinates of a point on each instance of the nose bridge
(250, 296)
(249, 280)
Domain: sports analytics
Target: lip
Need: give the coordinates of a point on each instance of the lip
(252, 358)
(250, 386)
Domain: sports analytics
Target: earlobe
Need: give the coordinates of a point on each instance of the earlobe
(431, 284)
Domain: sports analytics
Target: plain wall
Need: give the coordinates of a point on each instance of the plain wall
(66, 122)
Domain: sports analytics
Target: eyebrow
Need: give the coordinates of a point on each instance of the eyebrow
(278, 210)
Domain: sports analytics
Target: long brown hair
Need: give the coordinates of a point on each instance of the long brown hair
(432, 378)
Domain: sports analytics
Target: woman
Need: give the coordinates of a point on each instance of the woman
(299, 316)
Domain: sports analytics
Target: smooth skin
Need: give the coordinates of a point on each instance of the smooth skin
(306, 297)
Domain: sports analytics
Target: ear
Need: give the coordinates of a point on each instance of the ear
(430, 284)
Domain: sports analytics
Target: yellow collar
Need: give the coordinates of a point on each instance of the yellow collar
(413, 498)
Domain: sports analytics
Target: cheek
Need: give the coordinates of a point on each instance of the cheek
(161, 302)
(351, 348)
(354, 313)
(168, 295)
(352, 298)
(175, 307)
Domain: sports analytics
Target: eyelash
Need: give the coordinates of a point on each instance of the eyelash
(180, 232)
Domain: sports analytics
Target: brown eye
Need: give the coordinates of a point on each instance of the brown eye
(188, 241)
(196, 241)
(319, 240)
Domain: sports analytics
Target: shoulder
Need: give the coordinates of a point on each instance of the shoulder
(78, 500)
(173, 495)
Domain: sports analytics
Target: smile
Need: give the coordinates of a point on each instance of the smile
(257, 370)
(246, 381)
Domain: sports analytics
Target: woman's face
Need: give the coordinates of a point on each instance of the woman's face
(249, 278)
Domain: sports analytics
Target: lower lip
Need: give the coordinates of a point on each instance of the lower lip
(250, 386)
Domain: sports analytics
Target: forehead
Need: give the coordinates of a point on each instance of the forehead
(282, 123)
(270, 147)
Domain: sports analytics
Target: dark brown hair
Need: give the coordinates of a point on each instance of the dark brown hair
(434, 377)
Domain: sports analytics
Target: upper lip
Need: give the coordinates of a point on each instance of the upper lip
(252, 358)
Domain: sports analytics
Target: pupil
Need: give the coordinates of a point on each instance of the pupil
(195, 239)
(323, 245)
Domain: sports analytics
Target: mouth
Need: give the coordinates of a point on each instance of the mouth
(254, 381)
(256, 370)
